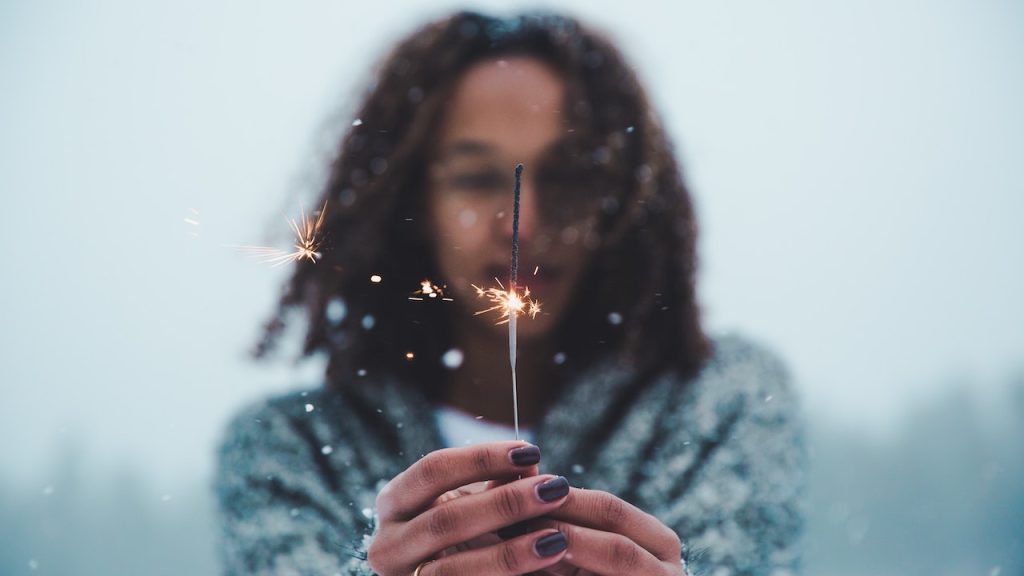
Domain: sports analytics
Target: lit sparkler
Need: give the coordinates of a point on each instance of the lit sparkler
(429, 290)
(510, 303)
(308, 240)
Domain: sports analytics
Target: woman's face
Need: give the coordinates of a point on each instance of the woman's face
(502, 112)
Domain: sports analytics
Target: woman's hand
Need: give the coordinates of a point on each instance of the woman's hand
(417, 521)
(609, 536)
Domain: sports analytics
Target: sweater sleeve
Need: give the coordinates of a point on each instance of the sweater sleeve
(741, 511)
(280, 514)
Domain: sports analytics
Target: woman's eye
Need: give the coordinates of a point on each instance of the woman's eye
(482, 181)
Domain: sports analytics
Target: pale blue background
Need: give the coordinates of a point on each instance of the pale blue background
(857, 169)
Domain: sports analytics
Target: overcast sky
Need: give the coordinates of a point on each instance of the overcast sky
(857, 171)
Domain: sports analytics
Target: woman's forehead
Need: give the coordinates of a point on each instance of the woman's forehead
(515, 102)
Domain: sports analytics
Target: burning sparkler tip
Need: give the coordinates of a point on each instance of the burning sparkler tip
(508, 302)
(429, 290)
(307, 242)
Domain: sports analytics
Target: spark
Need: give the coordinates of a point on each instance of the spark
(193, 222)
(508, 302)
(308, 240)
(429, 290)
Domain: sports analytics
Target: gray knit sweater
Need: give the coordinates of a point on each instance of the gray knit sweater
(719, 458)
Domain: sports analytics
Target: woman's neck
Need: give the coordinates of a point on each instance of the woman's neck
(482, 386)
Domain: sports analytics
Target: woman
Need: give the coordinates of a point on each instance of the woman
(658, 443)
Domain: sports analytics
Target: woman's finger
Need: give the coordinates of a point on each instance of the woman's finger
(609, 513)
(609, 553)
(416, 488)
(519, 556)
(467, 517)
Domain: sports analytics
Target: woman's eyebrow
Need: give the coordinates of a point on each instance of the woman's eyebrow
(468, 147)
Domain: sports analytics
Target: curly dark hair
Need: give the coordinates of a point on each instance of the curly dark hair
(642, 267)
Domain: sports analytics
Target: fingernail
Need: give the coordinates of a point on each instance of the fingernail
(525, 456)
(515, 530)
(550, 545)
(553, 489)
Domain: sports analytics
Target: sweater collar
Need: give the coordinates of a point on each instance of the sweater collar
(568, 434)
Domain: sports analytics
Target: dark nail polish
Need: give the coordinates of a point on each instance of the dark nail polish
(553, 489)
(515, 530)
(550, 545)
(525, 456)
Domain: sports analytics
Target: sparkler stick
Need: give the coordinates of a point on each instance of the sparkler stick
(512, 287)
(510, 303)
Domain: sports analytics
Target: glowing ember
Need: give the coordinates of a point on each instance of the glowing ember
(508, 303)
(429, 290)
(194, 222)
(307, 242)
